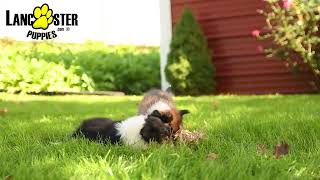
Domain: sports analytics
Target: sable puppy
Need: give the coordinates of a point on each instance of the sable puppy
(135, 131)
(162, 101)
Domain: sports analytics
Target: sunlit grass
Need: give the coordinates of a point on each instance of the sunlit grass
(35, 141)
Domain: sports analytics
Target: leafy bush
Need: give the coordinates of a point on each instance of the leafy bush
(189, 69)
(130, 69)
(34, 76)
(294, 28)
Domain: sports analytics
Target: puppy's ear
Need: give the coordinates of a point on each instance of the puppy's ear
(155, 113)
(183, 112)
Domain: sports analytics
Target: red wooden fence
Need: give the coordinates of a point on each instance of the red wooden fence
(241, 68)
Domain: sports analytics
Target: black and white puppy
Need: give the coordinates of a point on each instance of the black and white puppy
(135, 131)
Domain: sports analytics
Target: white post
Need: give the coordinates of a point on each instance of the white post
(165, 38)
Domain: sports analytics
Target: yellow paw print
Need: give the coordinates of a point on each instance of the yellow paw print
(43, 17)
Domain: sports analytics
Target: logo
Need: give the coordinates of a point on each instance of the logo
(41, 20)
(43, 17)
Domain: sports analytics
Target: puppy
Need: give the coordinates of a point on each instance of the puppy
(162, 101)
(135, 131)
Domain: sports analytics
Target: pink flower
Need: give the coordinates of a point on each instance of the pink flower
(287, 4)
(255, 33)
(260, 49)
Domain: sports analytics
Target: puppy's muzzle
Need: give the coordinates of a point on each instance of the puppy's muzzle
(166, 131)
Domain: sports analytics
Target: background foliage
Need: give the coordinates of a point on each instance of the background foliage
(293, 26)
(189, 69)
(49, 67)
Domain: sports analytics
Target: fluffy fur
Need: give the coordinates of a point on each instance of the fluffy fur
(160, 106)
(162, 101)
(152, 97)
(135, 131)
(129, 130)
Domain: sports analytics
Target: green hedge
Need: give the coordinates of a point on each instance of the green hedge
(48, 66)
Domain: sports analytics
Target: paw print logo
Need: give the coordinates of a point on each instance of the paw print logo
(43, 17)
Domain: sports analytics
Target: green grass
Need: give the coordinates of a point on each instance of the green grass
(35, 143)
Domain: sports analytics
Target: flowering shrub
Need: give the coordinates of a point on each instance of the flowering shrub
(293, 26)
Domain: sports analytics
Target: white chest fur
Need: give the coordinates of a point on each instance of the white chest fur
(129, 131)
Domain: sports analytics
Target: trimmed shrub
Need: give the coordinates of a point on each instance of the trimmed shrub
(189, 69)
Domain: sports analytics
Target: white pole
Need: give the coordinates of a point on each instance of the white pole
(165, 38)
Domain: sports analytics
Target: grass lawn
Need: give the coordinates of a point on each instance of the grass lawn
(35, 143)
